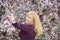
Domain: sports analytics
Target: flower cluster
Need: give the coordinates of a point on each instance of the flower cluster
(19, 8)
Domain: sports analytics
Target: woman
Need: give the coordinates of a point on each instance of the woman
(31, 28)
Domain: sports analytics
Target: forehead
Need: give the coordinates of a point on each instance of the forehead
(29, 13)
(29, 16)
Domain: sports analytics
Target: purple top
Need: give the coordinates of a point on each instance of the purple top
(27, 31)
(41, 17)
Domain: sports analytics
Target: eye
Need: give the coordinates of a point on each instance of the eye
(28, 18)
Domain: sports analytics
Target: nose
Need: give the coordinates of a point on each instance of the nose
(27, 18)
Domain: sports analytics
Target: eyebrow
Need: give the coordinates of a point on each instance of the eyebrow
(28, 15)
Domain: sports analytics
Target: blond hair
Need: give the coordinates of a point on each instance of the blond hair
(37, 23)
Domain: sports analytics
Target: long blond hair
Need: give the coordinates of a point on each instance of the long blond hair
(37, 23)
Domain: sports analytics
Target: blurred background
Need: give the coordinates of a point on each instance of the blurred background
(19, 8)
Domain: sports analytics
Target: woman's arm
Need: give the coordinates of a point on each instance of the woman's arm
(17, 25)
(40, 9)
(23, 27)
(14, 23)
(41, 15)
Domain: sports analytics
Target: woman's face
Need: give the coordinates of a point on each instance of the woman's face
(29, 19)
